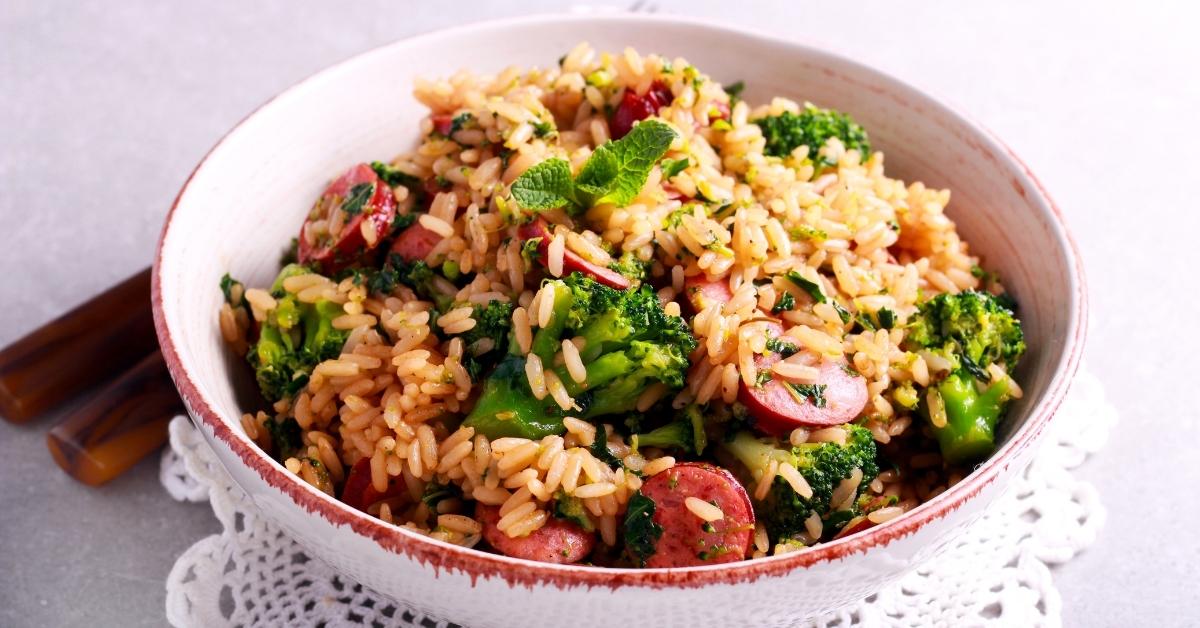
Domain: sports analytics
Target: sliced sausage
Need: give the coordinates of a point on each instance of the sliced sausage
(333, 236)
(702, 292)
(634, 107)
(558, 541)
(572, 261)
(442, 123)
(778, 410)
(854, 526)
(415, 243)
(360, 493)
(688, 540)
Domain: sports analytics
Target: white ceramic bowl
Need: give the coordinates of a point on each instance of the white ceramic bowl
(246, 198)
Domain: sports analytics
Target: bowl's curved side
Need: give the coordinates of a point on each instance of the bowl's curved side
(470, 600)
(246, 199)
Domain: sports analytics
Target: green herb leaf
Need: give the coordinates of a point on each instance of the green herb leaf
(814, 291)
(672, 167)
(403, 221)
(782, 347)
(544, 129)
(785, 302)
(393, 176)
(601, 452)
(615, 172)
(598, 174)
(808, 392)
(545, 186)
(620, 168)
(811, 287)
(809, 233)
(887, 318)
(530, 251)
(460, 122)
(641, 532)
(359, 195)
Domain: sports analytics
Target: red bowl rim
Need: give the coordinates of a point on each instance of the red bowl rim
(517, 572)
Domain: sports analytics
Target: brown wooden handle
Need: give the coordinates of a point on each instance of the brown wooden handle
(88, 345)
(123, 423)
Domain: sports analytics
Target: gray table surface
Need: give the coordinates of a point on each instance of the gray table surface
(107, 106)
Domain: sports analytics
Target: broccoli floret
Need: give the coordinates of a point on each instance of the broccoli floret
(686, 433)
(416, 275)
(293, 339)
(492, 321)
(812, 127)
(571, 509)
(823, 465)
(630, 343)
(970, 416)
(972, 330)
(630, 266)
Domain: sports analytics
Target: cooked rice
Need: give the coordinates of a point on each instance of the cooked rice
(395, 394)
(704, 510)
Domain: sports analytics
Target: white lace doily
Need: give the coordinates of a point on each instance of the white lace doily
(996, 574)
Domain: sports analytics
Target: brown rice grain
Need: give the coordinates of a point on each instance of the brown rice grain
(702, 509)
(574, 364)
(658, 465)
(584, 431)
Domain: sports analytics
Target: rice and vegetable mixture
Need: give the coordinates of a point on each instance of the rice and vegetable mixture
(609, 312)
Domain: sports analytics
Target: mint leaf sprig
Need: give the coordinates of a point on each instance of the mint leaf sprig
(614, 174)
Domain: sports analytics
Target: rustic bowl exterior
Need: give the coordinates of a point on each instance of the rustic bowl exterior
(246, 198)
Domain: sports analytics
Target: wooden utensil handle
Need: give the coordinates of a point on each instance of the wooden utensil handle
(123, 423)
(88, 345)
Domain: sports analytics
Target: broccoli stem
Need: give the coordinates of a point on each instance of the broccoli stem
(971, 416)
(754, 453)
(548, 339)
(605, 369)
(320, 338)
(507, 407)
(291, 270)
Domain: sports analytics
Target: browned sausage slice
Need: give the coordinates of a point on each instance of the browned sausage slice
(334, 236)
(558, 541)
(702, 292)
(415, 243)
(358, 490)
(688, 540)
(572, 261)
(778, 410)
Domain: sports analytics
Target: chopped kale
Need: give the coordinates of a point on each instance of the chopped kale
(785, 302)
(641, 532)
(807, 392)
(782, 347)
(814, 290)
(357, 199)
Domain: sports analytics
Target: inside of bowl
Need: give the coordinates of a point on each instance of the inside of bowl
(245, 202)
